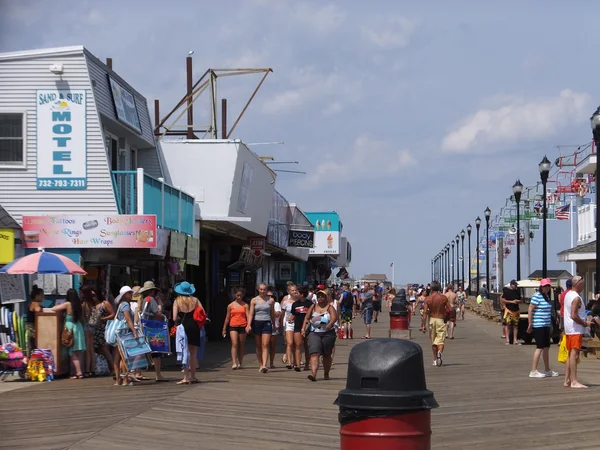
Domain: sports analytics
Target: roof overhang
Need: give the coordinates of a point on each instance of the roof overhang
(43, 52)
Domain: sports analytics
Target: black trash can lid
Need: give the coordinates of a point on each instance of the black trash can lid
(386, 374)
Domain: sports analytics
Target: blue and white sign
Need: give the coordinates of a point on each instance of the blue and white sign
(61, 139)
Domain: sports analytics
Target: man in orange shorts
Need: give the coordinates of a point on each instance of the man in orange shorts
(575, 324)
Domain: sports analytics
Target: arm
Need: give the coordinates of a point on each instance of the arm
(175, 311)
(574, 309)
(332, 317)
(62, 307)
(110, 310)
(127, 315)
(532, 306)
(250, 316)
(273, 316)
(306, 319)
(227, 317)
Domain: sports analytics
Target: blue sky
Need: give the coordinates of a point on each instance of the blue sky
(409, 117)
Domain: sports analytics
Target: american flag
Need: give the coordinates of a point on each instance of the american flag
(562, 213)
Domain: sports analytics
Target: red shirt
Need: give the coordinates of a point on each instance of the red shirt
(561, 300)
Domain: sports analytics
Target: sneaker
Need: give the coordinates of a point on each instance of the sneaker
(434, 363)
(537, 374)
(551, 373)
(439, 358)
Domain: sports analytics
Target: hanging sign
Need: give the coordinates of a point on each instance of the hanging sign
(61, 139)
(7, 245)
(301, 239)
(257, 245)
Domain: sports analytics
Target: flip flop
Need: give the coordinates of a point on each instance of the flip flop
(311, 378)
(289, 367)
(194, 381)
(183, 382)
(297, 369)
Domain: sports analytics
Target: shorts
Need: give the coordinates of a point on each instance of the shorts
(262, 327)
(574, 341)
(451, 315)
(321, 343)
(346, 316)
(377, 306)
(368, 316)
(437, 331)
(542, 337)
(275, 332)
(511, 317)
(288, 326)
(240, 330)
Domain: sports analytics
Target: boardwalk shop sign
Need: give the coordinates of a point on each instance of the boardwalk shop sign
(301, 239)
(61, 139)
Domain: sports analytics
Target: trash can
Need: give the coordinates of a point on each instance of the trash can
(398, 315)
(386, 404)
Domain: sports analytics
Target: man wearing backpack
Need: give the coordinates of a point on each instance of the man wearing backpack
(347, 311)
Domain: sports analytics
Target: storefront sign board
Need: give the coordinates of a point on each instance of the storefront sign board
(7, 245)
(93, 231)
(327, 229)
(125, 106)
(301, 239)
(61, 139)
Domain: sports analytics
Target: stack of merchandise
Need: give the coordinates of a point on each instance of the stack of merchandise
(11, 358)
(41, 365)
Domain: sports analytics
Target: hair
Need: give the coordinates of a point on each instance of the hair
(303, 290)
(392, 291)
(262, 284)
(138, 298)
(435, 286)
(35, 291)
(239, 289)
(75, 302)
(186, 300)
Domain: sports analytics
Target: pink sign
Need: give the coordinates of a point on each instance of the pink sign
(118, 231)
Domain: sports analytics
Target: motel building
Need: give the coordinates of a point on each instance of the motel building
(80, 175)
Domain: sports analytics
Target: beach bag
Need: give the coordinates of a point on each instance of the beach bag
(200, 316)
(113, 327)
(563, 353)
(66, 337)
(102, 368)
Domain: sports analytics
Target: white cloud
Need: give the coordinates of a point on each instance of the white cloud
(249, 59)
(382, 156)
(307, 86)
(390, 32)
(518, 120)
(322, 19)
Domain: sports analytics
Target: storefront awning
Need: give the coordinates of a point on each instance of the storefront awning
(6, 220)
(584, 252)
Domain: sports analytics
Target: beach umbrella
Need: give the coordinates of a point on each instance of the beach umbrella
(43, 263)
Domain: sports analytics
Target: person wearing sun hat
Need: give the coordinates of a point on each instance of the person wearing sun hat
(540, 321)
(183, 313)
(151, 309)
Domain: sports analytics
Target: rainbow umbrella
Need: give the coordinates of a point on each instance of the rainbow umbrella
(44, 263)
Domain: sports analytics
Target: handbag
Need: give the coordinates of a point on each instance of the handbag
(200, 316)
(113, 327)
(66, 337)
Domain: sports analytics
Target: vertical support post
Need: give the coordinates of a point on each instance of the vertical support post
(179, 208)
(156, 117)
(190, 100)
(526, 229)
(162, 201)
(109, 65)
(518, 241)
(500, 268)
(544, 234)
(140, 191)
(213, 105)
(223, 118)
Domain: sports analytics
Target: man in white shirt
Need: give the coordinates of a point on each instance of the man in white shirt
(575, 324)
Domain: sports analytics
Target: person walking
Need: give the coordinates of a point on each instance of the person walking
(151, 309)
(511, 299)
(451, 312)
(261, 321)
(288, 328)
(236, 321)
(462, 301)
(575, 325)
(73, 323)
(346, 311)
(320, 319)
(299, 310)
(276, 328)
(367, 312)
(540, 321)
(435, 310)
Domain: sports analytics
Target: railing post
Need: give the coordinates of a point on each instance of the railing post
(140, 191)
(162, 201)
(179, 208)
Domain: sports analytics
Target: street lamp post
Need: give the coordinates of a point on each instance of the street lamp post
(447, 262)
(462, 238)
(595, 122)
(488, 214)
(477, 225)
(517, 191)
(452, 263)
(469, 229)
(544, 172)
(456, 239)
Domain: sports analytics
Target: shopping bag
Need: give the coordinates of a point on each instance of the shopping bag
(113, 327)
(157, 335)
(563, 353)
(133, 350)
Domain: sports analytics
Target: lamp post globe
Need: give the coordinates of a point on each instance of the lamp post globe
(488, 214)
(595, 124)
(544, 167)
(517, 191)
(477, 226)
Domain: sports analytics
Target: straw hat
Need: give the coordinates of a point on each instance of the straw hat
(148, 286)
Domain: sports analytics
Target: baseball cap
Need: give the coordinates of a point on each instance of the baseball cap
(514, 282)
(545, 282)
(569, 284)
(321, 287)
(322, 293)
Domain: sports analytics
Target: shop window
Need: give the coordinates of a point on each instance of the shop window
(114, 154)
(12, 139)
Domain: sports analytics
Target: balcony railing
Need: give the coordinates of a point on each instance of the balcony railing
(586, 224)
(139, 193)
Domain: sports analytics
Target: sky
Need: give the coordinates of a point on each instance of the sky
(410, 118)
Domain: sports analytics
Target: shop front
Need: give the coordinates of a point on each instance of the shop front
(328, 229)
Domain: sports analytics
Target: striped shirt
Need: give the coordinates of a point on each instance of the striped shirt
(542, 314)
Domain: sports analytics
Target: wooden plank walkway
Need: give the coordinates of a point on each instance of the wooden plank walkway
(486, 401)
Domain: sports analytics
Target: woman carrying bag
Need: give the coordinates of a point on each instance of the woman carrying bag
(123, 320)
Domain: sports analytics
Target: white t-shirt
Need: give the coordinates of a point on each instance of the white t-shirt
(572, 327)
(277, 307)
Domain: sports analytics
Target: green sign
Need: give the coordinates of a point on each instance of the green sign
(534, 227)
(511, 219)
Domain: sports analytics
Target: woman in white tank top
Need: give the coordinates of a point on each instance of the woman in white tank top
(286, 307)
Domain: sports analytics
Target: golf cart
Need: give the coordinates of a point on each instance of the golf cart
(528, 289)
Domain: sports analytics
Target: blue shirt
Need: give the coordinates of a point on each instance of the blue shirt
(542, 314)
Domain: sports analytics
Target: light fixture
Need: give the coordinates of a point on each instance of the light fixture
(56, 69)
(545, 166)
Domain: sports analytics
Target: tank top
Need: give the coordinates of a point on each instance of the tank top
(319, 321)
(287, 307)
(238, 315)
(262, 310)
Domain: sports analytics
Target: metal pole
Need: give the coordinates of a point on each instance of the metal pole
(597, 224)
(462, 238)
(544, 237)
(469, 266)
(526, 228)
(518, 242)
(452, 264)
(487, 254)
(478, 286)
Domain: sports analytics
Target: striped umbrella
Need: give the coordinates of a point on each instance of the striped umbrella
(44, 263)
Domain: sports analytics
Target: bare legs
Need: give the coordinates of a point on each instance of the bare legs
(263, 343)
(301, 343)
(544, 352)
(314, 366)
(76, 360)
(571, 371)
(238, 343)
(462, 311)
(157, 364)
(272, 350)
(117, 365)
(289, 348)
(90, 355)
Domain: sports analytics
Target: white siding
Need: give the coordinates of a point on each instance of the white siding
(19, 80)
(148, 160)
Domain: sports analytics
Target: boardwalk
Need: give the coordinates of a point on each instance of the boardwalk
(486, 401)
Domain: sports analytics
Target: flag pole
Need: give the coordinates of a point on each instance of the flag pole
(393, 276)
(572, 223)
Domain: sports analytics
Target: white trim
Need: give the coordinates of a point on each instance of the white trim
(23, 164)
(57, 51)
(568, 257)
(140, 191)
(226, 218)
